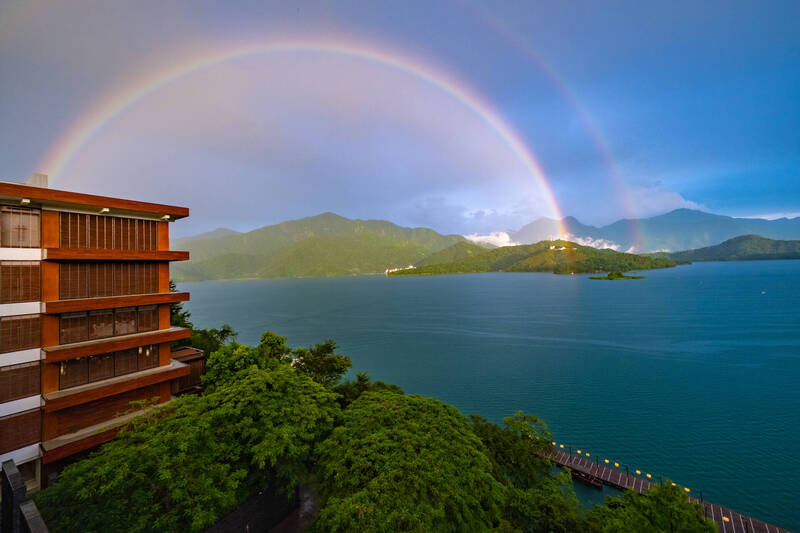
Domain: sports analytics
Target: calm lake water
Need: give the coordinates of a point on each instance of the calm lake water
(692, 373)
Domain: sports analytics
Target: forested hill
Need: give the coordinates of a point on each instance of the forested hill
(744, 248)
(559, 257)
(322, 245)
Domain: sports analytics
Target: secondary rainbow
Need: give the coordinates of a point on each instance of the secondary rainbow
(91, 122)
(568, 95)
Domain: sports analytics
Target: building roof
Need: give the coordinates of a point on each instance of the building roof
(57, 199)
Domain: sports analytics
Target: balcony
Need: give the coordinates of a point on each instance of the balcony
(62, 352)
(96, 254)
(110, 302)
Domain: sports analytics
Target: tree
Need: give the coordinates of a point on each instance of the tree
(211, 340)
(321, 364)
(405, 463)
(186, 465)
(351, 390)
(663, 509)
(178, 316)
(223, 365)
(540, 499)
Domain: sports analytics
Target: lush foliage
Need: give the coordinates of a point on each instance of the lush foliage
(744, 248)
(559, 257)
(384, 461)
(537, 498)
(320, 363)
(664, 509)
(349, 391)
(457, 252)
(322, 245)
(186, 465)
(614, 276)
(405, 463)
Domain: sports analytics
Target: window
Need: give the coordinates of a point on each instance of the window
(148, 318)
(107, 232)
(19, 227)
(73, 372)
(90, 369)
(74, 328)
(101, 367)
(19, 332)
(148, 356)
(19, 381)
(101, 324)
(93, 280)
(126, 361)
(19, 282)
(125, 321)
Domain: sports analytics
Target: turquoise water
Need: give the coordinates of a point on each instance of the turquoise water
(690, 374)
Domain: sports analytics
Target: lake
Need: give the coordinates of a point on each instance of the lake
(691, 373)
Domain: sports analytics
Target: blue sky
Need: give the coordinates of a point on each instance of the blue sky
(631, 108)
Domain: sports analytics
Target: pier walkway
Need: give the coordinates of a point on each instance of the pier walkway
(595, 472)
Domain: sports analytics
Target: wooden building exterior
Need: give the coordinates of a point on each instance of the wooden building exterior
(84, 320)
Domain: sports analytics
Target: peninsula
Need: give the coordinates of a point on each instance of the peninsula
(557, 257)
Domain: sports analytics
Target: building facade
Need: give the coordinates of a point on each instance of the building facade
(84, 320)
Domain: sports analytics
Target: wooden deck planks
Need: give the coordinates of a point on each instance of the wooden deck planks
(738, 523)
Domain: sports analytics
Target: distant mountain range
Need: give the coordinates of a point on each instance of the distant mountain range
(681, 229)
(318, 246)
(744, 248)
(332, 245)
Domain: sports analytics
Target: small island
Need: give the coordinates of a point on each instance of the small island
(615, 276)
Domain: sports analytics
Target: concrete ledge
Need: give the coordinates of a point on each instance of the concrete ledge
(71, 443)
(20, 254)
(17, 406)
(20, 356)
(22, 308)
(22, 455)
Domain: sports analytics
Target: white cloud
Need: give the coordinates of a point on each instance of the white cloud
(651, 199)
(496, 238)
(594, 243)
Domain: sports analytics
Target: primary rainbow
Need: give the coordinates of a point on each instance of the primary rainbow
(91, 122)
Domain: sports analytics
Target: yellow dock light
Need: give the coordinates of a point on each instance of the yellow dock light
(562, 446)
(554, 443)
(587, 454)
(579, 452)
(649, 476)
(606, 460)
(687, 489)
(616, 464)
(673, 483)
(726, 519)
(638, 472)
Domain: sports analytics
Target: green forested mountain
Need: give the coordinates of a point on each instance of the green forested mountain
(457, 252)
(322, 245)
(560, 257)
(746, 247)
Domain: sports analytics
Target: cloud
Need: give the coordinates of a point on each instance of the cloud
(652, 199)
(496, 238)
(594, 243)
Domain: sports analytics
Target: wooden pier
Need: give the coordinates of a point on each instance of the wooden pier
(728, 521)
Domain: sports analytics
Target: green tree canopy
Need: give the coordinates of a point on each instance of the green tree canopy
(405, 463)
(664, 509)
(183, 467)
(321, 364)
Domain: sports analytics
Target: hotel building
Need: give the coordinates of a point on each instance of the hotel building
(84, 320)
